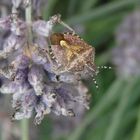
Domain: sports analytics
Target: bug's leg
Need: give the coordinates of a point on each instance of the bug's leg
(95, 71)
(95, 82)
(59, 69)
(49, 44)
(50, 57)
(92, 67)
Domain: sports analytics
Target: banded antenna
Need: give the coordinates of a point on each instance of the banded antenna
(104, 67)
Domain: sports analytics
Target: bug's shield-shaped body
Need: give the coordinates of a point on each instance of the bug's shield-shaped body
(72, 53)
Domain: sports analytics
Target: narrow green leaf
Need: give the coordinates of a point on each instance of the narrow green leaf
(136, 135)
(71, 7)
(48, 10)
(88, 4)
(101, 11)
(25, 129)
(119, 112)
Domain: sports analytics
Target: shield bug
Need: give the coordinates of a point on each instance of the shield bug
(72, 53)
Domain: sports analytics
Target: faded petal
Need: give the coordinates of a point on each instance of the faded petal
(39, 56)
(12, 43)
(18, 27)
(35, 75)
(21, 76)
(41, 41)
(36, 79)
(40, 109)
(49, 96)
(21, 62)
(5, 23)
(8, 72)
(18, 96)
(7, 87)
(42, 27)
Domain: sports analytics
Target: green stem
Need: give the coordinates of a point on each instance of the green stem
(25, 129)
(28, 18)
(136, 135)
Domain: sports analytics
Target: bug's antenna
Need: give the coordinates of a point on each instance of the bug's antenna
(65, 25)
(90, 68)
(104, 67)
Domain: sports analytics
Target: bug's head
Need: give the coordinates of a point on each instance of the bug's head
(56, 38)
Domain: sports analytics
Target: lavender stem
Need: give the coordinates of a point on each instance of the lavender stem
(28, 17)
(25, 129)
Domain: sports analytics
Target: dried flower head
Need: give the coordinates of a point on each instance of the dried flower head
(40, 79)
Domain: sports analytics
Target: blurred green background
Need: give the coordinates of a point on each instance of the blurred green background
(115, 107)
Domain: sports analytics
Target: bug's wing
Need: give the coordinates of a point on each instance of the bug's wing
(59, 54)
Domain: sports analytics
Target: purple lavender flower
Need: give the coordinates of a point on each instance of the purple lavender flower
(8, 72)
(7, 87)
(28, 73)
(41, 41)
(41, 110)
(39, 56)
(21, 62)
(18, 27)
(126, 55)
(27, 103)
(20, 90)
(21, 75)
(11, 44)
(36, 79)
(5, 23)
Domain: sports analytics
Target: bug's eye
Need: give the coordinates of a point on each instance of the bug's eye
(56, 38)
